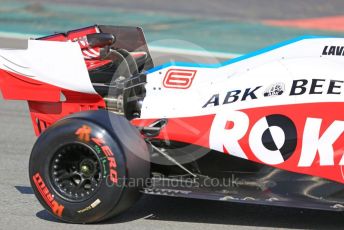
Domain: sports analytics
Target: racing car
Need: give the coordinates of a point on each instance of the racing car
(264, 128)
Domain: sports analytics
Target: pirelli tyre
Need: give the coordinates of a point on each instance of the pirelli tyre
(89, 167)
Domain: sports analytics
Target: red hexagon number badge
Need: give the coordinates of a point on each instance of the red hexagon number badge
(179, 78)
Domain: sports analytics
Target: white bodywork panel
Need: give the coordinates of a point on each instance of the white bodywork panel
(56, 63)
(301, 59)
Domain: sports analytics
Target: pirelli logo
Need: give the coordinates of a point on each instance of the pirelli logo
(47, 196)
(179, 78)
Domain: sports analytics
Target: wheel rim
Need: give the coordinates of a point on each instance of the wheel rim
(75, 172)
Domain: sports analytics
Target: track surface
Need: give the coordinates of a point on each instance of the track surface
(229, 26)
(243, 10)
(19, 209)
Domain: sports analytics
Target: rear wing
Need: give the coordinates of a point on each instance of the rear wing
(54, 84)
(54, 74)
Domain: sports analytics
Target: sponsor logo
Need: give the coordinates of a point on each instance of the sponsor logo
(47, 196)
(110, 158)
(92, 206)
(333, 50)
(274, 90)
(84, 133)
(179, 78)
(87, 51)
(233, 96)
(273, 139)
(316, 86)
(298, 87)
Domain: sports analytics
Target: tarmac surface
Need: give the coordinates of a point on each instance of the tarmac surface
(226, 26)
(19, 208)
(243, 10)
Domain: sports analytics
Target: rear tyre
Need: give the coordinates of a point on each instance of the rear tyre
(89, 167)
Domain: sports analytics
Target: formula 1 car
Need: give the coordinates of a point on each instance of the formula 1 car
(264, 128)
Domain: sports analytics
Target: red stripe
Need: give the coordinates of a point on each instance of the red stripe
(196, 131)
(335, 23)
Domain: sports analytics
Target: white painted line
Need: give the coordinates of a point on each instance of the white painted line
(18, 35)
(160, 49)
(193, 52)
